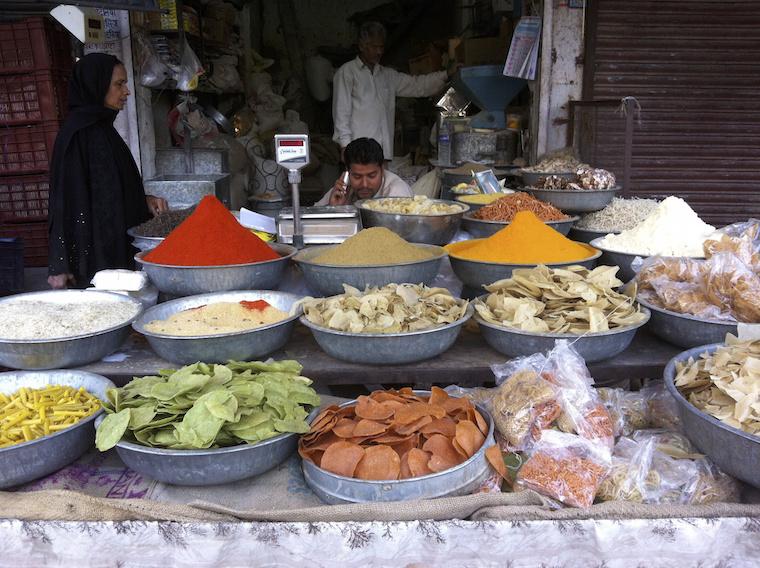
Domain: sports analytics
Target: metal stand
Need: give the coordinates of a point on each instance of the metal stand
(294, 178)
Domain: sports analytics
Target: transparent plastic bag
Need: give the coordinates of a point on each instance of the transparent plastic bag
(628, 410)
(565, 467)
(190, 69)
(712, 485)
(741, 239)
(662, 410)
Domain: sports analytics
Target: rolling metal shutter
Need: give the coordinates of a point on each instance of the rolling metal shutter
(694, 67)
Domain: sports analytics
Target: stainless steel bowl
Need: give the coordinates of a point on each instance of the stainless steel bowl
(586, 235)
(735, 451)
(144, 244)
(191, 280)
(592, 347)
(387, 348)
(533, 178)
(482, 229)
(239, 346)
(214, 466)
(328, 279)
(575, 201)
(31, 460)
(426, 229)
(686, 330)
(476, 274)
(63, 352)
(462, 479)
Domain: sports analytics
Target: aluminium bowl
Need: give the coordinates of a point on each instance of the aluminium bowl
(686, 330)
(212, 466)
(31, 460)
(192, 280)
(575, 200)
(144, 244)
(736, 452)
(436, 229)
(482, 229)
(476, 273)
(328, 279)
(62, 352)
(245, 345)
(387, 348)
(462, 479)
(592, 347)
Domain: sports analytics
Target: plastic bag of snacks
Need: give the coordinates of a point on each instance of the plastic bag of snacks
(662, 410)
(522, 406)
(641, 474)
(542, 391)
(583, 412)
(627, 409)
(658, 467)
(565, 467)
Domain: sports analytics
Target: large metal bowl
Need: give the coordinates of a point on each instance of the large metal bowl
(426, 229)
(462, 479)
(476, 273)
(686, 330)
(481, 229)
(31, 460)
(191, 280)
(575, 201)
(735, 451)
(328, 279)
(586, 235)
(475, 206)
(387, 348)
(214, 466)
(144, 244)
(64, 352)
(592, 347)
(220, 348)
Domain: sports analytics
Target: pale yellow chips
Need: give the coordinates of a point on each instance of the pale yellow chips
(394, 308)
(725, 384)
(572, 299)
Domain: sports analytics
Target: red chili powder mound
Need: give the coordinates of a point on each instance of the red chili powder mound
(211, 236)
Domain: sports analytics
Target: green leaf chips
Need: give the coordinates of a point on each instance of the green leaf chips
(207, 406)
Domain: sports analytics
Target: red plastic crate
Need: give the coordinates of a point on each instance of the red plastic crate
(24, 198)
(27, 149)
(34, 44)
(32, 97)
(35, 239)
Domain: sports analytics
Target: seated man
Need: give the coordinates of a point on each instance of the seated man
(366, 176)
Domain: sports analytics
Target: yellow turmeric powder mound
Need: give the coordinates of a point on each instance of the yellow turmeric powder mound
(526, 240)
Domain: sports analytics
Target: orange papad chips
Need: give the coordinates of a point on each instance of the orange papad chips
(395, 434)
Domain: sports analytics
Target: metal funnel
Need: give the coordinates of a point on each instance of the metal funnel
(490, 90)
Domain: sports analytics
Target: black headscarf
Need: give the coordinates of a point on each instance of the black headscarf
(96, 190)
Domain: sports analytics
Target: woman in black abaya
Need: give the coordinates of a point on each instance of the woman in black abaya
(96, 191)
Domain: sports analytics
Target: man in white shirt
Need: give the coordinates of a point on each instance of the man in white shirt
(364, 92)
(367, 178)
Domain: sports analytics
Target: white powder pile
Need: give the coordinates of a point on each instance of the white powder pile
(29, 319)
(673, 229)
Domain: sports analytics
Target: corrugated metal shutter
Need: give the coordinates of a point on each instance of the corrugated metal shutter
(694, 66)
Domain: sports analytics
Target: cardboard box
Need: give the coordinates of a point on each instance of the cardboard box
(429, 62)
(478, 51)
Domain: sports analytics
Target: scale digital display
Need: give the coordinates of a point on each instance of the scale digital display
(291, 150)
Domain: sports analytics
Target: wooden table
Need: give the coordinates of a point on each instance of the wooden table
(467, 363)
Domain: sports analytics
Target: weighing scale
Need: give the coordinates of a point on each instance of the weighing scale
(292, 153)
